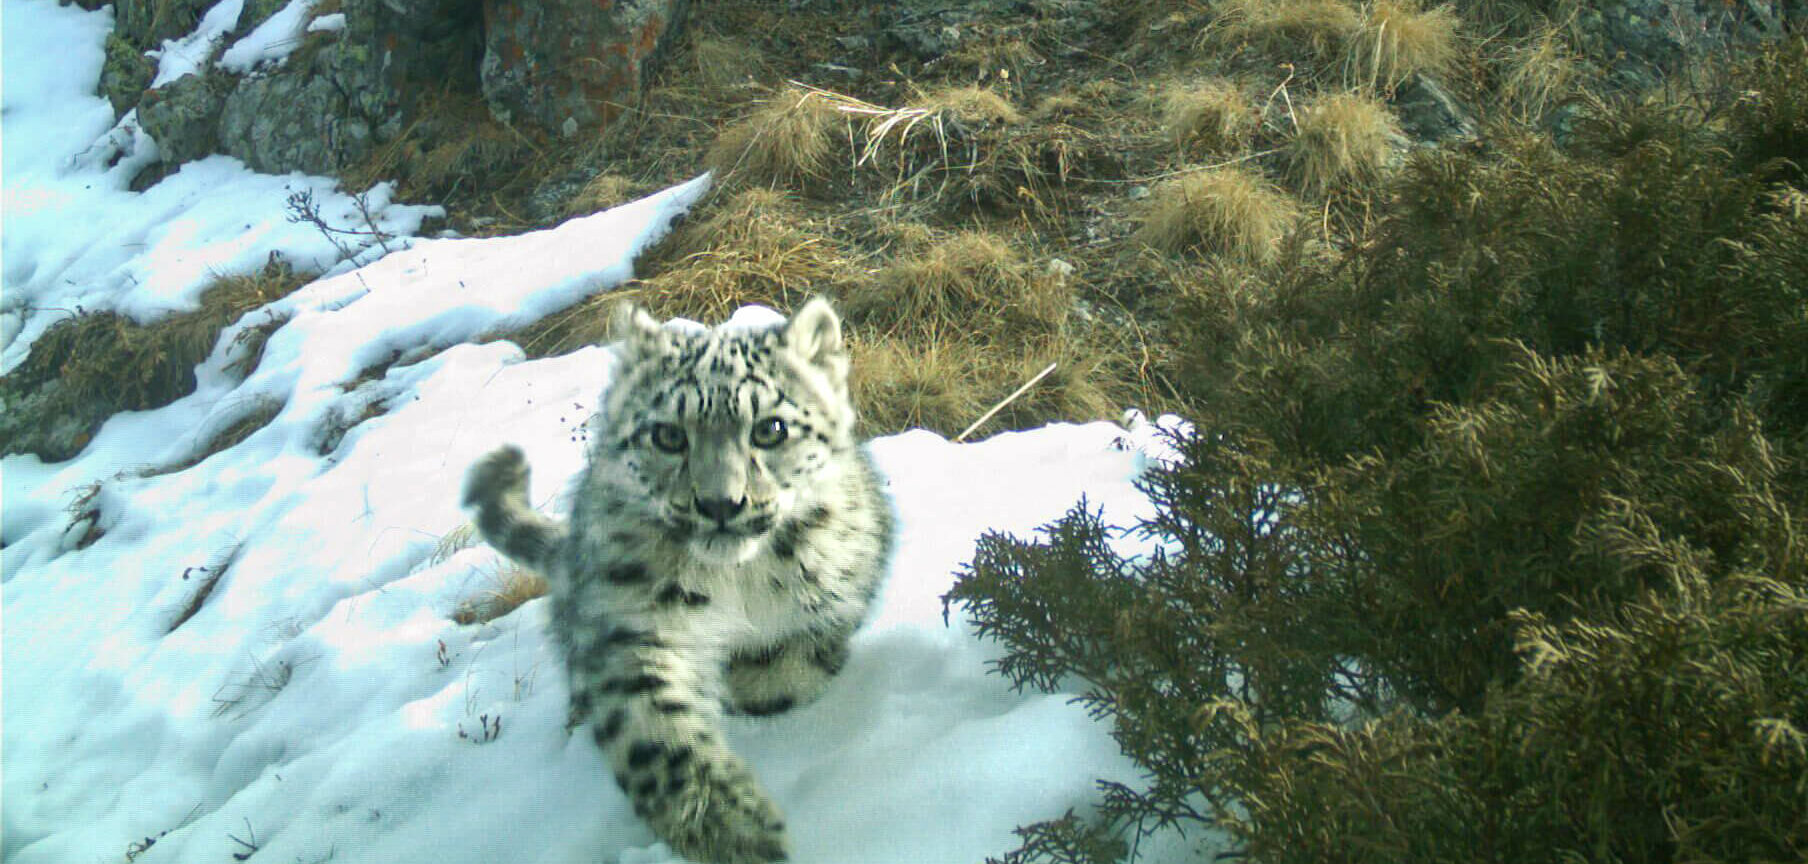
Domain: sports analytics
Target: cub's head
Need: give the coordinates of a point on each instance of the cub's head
(724, 434)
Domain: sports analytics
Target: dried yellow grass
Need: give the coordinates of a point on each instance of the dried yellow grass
(1291, 30)
(1539, 71)
(601, 193)
(1212, 116)
(1229, 211)
(749, 245)
(971, 279)
(788, 140)
(508, 589)
(1398, 39)
(1344, 140)
(970, 104)
(919, 383)
(721, 64)
(945, 380)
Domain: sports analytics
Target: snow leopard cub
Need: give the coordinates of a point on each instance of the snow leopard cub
(725, 540)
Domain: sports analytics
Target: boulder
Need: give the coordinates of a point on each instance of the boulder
(147, 23)
(1429, 114)
(344, 93)
(183, 116)
(561, 66)
(1648, 39)
(125, 74)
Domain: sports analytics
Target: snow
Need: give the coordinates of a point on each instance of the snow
(327, 23)
(321, 704)
(189, 54)
(77, 238)
(273, 40)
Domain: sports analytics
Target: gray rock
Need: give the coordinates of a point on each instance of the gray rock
(317, 114)
(1429, 114)
(146, 23)
(125, 74)
(1648, 39)
(44, 423)
(567, 65)
(183, 116)
(342, 95)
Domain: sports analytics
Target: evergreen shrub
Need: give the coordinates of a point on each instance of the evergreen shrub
(1491, 544)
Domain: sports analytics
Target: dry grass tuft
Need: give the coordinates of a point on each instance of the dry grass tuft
(454, 149)
(1310, 31)
(229, 435)
(1539, 71)
(945, 380)
(787, 141)
(965, 279)
(1231, 211)
(918, 383)
(751, 245)
(601, 193)
(93, 365)
(721, 64)
(1211, 117)
(453, 542)
(970, 105)
(1399, 39)
(1344, 139)
(513, 586)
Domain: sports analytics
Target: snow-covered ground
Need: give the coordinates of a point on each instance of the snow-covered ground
(321, 704)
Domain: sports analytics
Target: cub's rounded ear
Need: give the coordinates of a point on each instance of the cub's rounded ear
(814, 334)
(640, 335)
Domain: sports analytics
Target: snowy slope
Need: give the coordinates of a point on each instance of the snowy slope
(321, 703)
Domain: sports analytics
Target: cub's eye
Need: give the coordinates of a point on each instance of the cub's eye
(668, 437)
(769, 433)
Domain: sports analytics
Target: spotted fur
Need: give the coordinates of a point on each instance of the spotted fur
(706, 567)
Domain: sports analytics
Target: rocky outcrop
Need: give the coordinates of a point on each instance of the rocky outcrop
(183, 115)
(125, 73)
(1643, 40)
(562, 66)
(545, 66)
(147, 23)
(1430, 114)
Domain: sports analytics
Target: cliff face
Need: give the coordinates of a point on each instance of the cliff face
(321, 85)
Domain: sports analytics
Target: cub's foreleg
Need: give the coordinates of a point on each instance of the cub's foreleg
(497, 486)
(655, 712)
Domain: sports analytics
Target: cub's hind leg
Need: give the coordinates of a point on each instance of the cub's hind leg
(787, 674)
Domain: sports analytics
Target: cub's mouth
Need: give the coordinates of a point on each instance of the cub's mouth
(695, 527)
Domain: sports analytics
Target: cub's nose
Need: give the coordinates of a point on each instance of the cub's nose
(720, 509)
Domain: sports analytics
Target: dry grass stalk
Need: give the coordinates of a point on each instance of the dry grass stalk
(453, 542)
(508, 590)
(1231, 211)
(1213, 117)
(1004, 403)
(945, 379)
(1344, 139)
(1399, 39)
